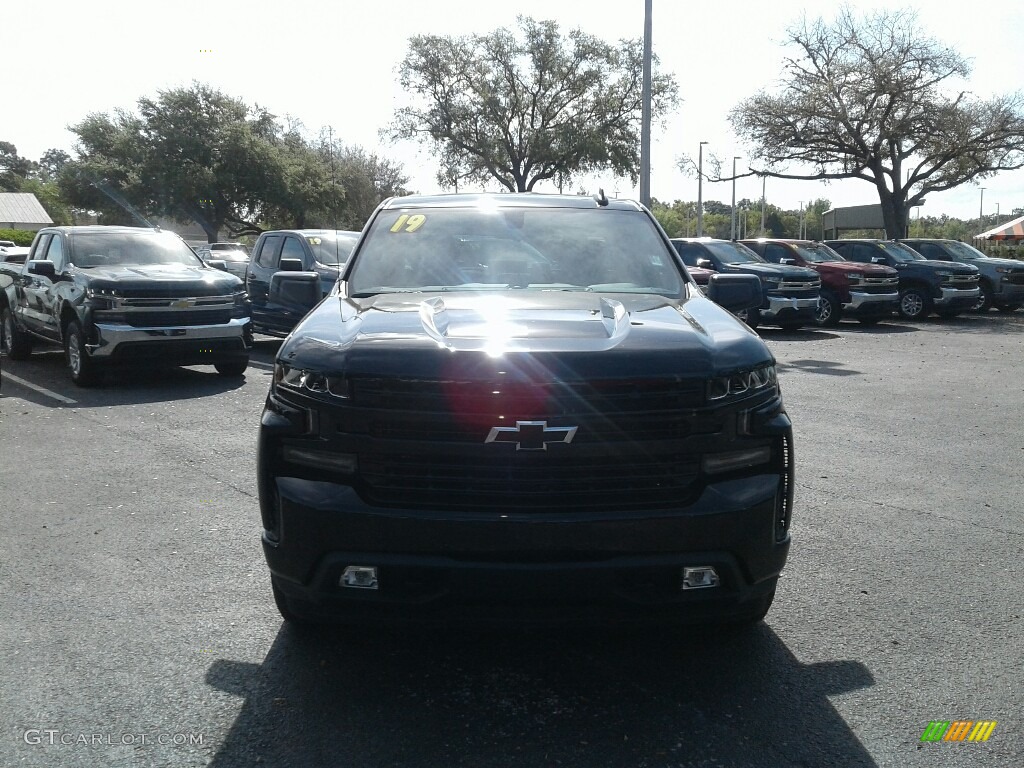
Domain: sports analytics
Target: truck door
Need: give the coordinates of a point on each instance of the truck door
(39, 297)
(257, 282)
(283, 317)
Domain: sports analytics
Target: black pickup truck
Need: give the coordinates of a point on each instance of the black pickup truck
(790, 294)
(123, 295)
(925, 286)
(520, 407)
(319, 251)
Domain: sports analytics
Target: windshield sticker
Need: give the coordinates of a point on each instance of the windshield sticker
(313, 240)
(407, 223)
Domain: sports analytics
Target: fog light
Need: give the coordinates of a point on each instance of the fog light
(326, 460)
(359, 577)
(700, 577)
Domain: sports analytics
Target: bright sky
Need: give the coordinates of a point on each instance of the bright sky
(334, 63)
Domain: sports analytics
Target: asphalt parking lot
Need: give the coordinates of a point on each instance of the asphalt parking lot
(137, 626)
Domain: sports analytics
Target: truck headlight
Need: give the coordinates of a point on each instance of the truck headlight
(742, 383)
(102, 298)
(854, 277)
(303, 379)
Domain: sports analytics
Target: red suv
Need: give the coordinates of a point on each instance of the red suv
(869, 292)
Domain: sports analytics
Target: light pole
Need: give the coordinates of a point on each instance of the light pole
(981, 206)
(732, 212)
(700, 189)
(645, 118)
(997, 214)
(763, 180)
(800, 222)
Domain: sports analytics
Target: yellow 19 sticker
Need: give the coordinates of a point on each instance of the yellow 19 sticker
(407, 223)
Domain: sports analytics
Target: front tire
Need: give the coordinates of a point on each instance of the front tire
(985, 299)
(1009, 307)
(232, 369)
(915, 304)
(80, 365)
(829, 310)
(16, 344)
(752, 317)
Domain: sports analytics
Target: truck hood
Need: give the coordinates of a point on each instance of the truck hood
(953, 267)
(569, 334)
(991, 261)
(784, 271)
(163, 279)
(867, 270)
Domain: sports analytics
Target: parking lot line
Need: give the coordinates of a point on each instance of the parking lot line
(40, 390)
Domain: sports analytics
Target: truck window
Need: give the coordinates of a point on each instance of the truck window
(293, 250)
(267, 256)
(55, 253)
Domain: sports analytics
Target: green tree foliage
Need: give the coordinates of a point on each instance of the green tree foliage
(528, 107)
(14, 168)
(870, 98)
(196, 154)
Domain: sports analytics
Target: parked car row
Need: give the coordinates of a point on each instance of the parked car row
(866, 279)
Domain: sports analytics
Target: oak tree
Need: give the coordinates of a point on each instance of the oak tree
(874, 98)
(528, 105)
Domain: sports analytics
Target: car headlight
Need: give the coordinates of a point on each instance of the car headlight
(854, 277)
(305, 380)
(1004, 270)
(772, 280)
(944, 275)
(742, 383)
(102, 298)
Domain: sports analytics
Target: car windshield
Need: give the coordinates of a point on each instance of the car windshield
(104, 249)
(901, 252)
(332, 248)
(956, 249)
(493, 247)
(816, 253)
(733, 253)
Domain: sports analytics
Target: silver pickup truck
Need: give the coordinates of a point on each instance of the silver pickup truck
(123, 295)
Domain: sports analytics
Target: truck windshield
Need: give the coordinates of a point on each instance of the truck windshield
(105, 249)
(900, 252)
(332, 248)
(956, 249)
(495, 247)
(817, 253)
(733, 253)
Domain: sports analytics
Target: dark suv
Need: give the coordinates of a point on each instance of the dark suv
(925, 286)
(318, 252)
(1001, 280)
(868, 292)
(519, 407)
(790, 293)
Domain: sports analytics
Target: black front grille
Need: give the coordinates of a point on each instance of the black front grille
(160, 319)
(532, 482)
(1016, 278)
(876, 286)
(522, 399)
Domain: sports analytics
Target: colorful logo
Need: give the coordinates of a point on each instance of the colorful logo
(958, 730)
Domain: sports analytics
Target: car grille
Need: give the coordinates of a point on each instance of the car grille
(421, 444)
(875, 285)
(961, 282)
(1016, 278)
(157, 319)
(797, 288)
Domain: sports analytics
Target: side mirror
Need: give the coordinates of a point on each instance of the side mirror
(218, 264)
(705, 264)
(878, 260)
(787, 260)
(43, 268)
(292, 288)
(735, 292)
(290, 265)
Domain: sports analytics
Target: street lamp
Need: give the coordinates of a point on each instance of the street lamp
(981, 206)
(700, 190)
(645, 115)
(997, 214)
(763, 180)
(732, 212)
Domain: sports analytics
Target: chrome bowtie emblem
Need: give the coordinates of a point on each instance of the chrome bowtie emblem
(531, 435)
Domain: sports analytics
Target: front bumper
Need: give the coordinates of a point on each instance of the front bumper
(183, 345)
(871, 303)
(957, 298)
(1009, 293)
(789, 306)
(444, 566)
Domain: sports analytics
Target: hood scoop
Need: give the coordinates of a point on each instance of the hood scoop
(510, 325)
